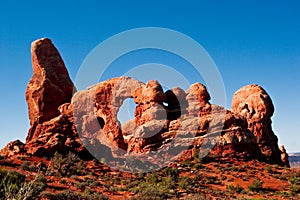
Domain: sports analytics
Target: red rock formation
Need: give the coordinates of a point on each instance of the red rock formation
(174, 125)
(253, 103)
(176, 103)
(150, 117)
(49, 87)
(149, 99)
(198, 100)
(284, 156)
(13, 148)
(95, 110)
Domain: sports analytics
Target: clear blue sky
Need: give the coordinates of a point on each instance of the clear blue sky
(250, 41)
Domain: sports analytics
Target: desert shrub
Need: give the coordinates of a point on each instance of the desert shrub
(33, 168)
(230, 180)
(95, 184)
(255, 186)
(195, 197)
(75, 177)
(21, 157)
(198, 166)
(185, 183)
(10, 183)
(92, 195)
(107, 184)
(282, 193)
(70, 195)
(211, 180)
(63, 181)
(156, 185)
(67, 165)
(25, 165)
(232, 188)
(151, 194)
(14, 186)
(35, 187)
(48, 195)
(67, 194)
(133, 183)
(295, 180)
(152, 178)
(187, 164)
(223, 177)
(294, 189)
(283, 177)
(234, 168)
(173, 173)
(168, 182)
(136, 165)
(82, 185)
(295, 184)
(269, 169)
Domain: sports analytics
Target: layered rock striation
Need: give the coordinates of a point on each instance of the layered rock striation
(176, 123)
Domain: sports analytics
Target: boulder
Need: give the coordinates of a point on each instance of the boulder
(13, 148)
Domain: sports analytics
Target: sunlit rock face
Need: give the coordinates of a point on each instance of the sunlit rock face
(86, 122)
(49, 87)
(253, 103)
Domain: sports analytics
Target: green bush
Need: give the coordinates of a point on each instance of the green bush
(25, 165)
(294, 189)
(283, 177)
(223, 177)
(70, 195)
(67, 165)
(295, 180)
(14, 186)
(22, 157)
(151, 194)
(198, 166)
(173, 173)
(211, 180)
(255, 186)
(185, 183)
(232, 188)
(36, 186)
(152, 178)
(33, 168)
(10, 184)
(63, 181)
(269, 169)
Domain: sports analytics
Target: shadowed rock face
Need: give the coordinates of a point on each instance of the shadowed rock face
(49, 87)
(184, 121)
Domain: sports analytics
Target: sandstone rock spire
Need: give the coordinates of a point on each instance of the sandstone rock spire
(50, 85)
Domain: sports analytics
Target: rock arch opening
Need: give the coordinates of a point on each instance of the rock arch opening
(101, 122)
(126, 111)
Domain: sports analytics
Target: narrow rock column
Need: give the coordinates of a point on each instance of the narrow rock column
(49, 87)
